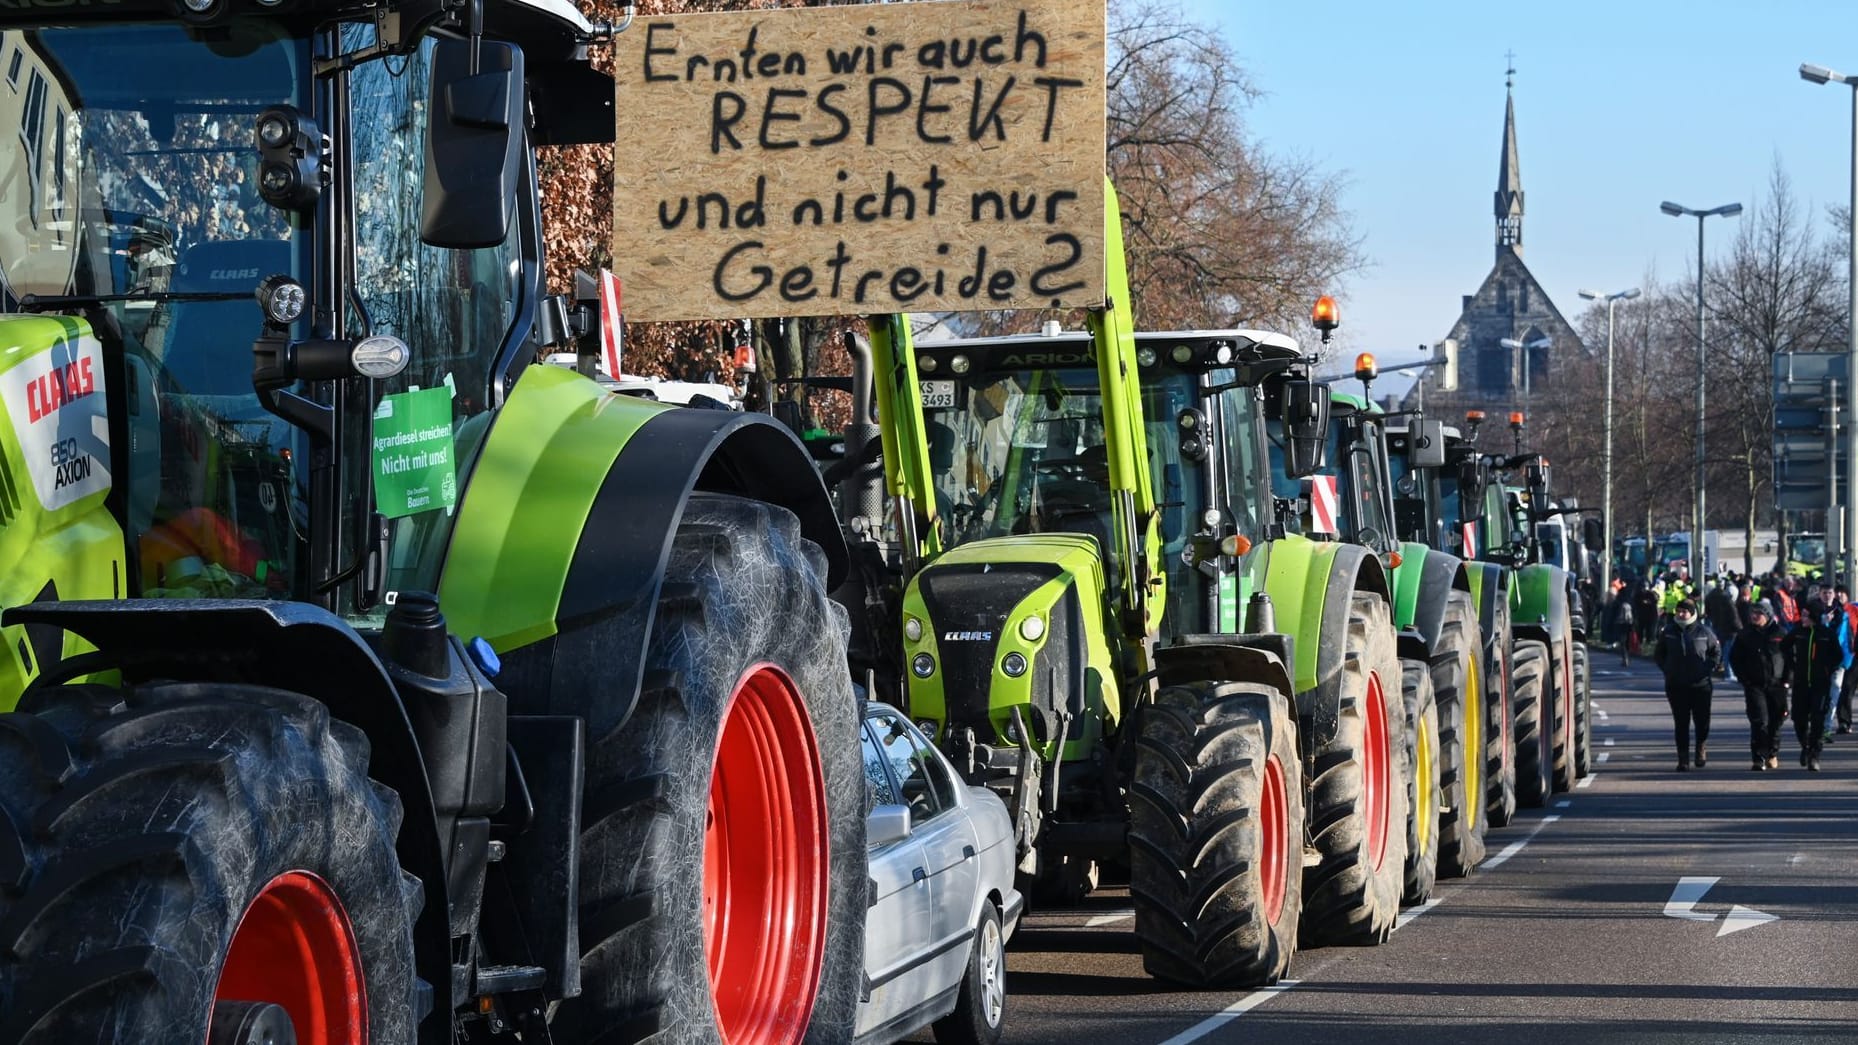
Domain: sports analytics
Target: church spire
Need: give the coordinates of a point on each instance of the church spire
(1509, 173)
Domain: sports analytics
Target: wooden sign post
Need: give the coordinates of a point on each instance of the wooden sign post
(932, 156)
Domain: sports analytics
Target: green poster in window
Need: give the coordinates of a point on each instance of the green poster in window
(413, 469)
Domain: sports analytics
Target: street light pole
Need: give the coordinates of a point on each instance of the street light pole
(1606, 454)
(1727, 210)
(1822, 75)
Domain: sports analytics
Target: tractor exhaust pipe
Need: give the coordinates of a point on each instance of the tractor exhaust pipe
(861, 494)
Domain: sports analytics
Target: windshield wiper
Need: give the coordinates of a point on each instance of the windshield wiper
(48, 302)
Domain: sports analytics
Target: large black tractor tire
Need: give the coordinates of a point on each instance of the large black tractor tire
(1583, 710)
(1457, 682)
(746, 698)
(1216, 834)
(148, 830)
(1535, 718)
(1422, 776)
(1499, 722)
(1562, 675)
(1357, 803)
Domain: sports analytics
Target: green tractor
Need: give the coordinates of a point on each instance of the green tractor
(1103, 623)
(1439, 501)
(363, 680)
(1351, 498)
(1551, 680)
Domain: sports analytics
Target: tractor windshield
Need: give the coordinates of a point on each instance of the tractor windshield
(1023, 452)
(128, 197)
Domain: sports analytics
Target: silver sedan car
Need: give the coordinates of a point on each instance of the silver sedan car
(942, 896)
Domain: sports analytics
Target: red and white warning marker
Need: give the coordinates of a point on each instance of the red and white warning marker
(1324, 504)
(612, 328)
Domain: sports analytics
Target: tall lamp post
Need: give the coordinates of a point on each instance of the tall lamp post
(1606, 454)
(1822, 75)
(1512, 344)
(1727, 210)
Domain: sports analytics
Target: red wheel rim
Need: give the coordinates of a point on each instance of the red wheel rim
(1273, 846)
(765, 859)
(295, 948)
(1374, 761)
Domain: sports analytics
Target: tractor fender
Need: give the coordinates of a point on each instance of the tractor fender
(1423, 583)
(565, 528)
(1542, 610)
(270, 644)
(1311, 584)
(1263, 659)
(1489, 585)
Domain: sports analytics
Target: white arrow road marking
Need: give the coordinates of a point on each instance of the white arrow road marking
(1108, 919)
(1689, 890)
(1740, 918)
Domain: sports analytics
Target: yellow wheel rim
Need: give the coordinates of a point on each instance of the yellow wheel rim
(1424, 788)
(1473, 746)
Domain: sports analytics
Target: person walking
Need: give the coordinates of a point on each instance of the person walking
(1624, 617)
(1719, 608)
(1844, 712)
(1688, 654)
(1761, 663)
(1820, 647)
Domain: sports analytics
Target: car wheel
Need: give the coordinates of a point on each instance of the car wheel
(980, 1010)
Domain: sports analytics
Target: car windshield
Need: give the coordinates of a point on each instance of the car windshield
(1808, 549)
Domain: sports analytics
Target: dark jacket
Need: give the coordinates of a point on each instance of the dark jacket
(1817, 650)
(1719, 607)
(1760, 656)
(1688, 656)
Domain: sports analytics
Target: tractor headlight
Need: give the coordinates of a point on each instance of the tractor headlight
(959, 364)
(912, 629)
(1032, 629)
(1145, 356)
(922, 665)
(1014, 664)
(928, 726)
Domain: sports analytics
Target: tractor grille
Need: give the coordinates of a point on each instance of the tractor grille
(976, 601)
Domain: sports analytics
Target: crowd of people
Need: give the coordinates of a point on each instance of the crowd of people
(1788, 643)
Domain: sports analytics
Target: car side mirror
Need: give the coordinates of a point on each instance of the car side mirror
(887, 824)
(1306, 427)
(473, 144)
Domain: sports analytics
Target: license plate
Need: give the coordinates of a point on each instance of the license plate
(938, 394)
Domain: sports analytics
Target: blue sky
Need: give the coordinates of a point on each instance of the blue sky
(1618, 106)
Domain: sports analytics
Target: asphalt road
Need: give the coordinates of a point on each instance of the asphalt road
(1569, 932)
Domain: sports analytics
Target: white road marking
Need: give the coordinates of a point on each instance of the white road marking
(1563, 804)
(1604, 755)
(1230, 1013)
(1109, 919)
(1517, 846)
(1587, 781)
(1603, 715)
(1413, 912)
(1740, 918)
(1608, 742)
(1689, 890)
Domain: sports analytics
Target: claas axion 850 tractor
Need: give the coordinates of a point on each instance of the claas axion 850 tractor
(1104, 623)
(364, 681)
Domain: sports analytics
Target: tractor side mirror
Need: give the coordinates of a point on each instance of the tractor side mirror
(1535, 477)
(1428, 449)
(1306, 427)
(473, 144)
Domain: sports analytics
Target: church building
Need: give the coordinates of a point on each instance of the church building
(1510, 306)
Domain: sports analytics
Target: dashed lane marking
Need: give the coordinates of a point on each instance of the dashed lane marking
(1587, 781)
(1608, 742)
(1413, 912)
(1517, 846)
(1564, 803)
(1109, 919)
(1230, 1013)
(1604, 755)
